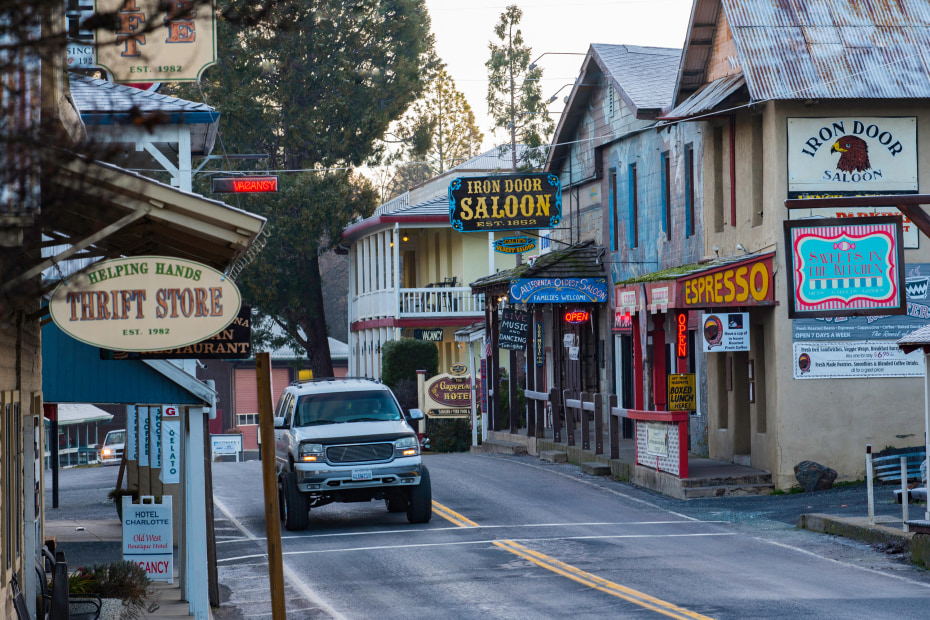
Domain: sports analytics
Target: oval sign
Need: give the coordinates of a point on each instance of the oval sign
(450, 391)
(145, 303)
(514, 245)
(458, 368)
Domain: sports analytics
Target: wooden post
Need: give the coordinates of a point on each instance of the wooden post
(556, 404)
(272, 520)
(614, 426)
(598, 424)
(585, 423)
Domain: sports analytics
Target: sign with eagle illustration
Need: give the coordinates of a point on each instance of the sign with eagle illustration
(852, 156)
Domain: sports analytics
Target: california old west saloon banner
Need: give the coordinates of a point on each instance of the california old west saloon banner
(851, 156)
(505, 202)
(845, 267)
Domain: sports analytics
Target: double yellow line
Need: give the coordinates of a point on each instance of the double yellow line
(576, 574)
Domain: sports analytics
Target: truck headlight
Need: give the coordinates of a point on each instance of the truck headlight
(107, 452)
(310, 452)
(407, 446)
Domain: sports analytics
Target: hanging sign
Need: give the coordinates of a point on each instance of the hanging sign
(148, 536)
(430, 335)
(156, 41)
(845, 267)
(514, 245)
(745, 283)
(852, 156)
(155, 437)
(483, 390)
(513, 329)
(681, 321)
(243, 185)
(681, 392)
(132, 433)
(558, 290)
(145, 441)
(171, 449)
(577, 316)
(540, 345)
(725, 332)
(458, 369)
(145, 303)
(505, 202)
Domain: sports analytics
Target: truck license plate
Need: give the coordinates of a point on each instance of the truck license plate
(361, 474)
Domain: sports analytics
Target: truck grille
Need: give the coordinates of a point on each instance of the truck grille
(360, 453)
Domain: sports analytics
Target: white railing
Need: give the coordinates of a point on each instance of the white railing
(417, 302)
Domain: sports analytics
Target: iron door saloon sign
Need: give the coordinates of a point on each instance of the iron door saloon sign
(145, 303)
(505, 202)
(845, 267)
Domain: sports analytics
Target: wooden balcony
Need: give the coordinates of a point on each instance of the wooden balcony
(426, 302)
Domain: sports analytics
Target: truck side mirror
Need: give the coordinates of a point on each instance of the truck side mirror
(415, 414)
(279, 422)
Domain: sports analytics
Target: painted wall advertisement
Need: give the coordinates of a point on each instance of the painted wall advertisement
(843, 156)
(864, 346)
(725, 331)
(148, 536)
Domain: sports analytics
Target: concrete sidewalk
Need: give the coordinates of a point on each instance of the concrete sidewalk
(106, 536)
(887, 530)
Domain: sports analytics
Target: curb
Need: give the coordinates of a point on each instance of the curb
(887, 530)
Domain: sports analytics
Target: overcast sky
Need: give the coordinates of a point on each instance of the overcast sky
(463, 29)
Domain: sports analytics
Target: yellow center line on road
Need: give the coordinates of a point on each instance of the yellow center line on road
(576, 574)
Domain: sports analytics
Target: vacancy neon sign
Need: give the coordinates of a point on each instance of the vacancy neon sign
(244, 185)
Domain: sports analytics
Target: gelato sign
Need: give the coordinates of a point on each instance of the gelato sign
(145, 303)
(448, 396)
(844, 267)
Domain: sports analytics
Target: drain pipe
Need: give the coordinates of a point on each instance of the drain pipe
(732, 170)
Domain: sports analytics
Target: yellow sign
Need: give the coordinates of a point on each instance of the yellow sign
(156, 41)
(681, 393)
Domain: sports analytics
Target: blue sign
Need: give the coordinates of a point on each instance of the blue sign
(558, 290)
(514, 245)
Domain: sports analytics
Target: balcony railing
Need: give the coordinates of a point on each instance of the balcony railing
(419, 302)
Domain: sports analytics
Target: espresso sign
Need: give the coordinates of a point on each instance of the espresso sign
(145, 303)
(505, 202)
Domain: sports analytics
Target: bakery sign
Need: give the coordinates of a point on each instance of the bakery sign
(845, 267)
(145, 303)
(448, 396)
(505, 202)
(852, 156)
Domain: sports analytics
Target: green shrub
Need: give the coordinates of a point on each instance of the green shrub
(122, 580)
(401, 359)
(449, 435)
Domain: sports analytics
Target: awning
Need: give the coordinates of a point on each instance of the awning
(80, 413)
(100, 210)
(707, 98)
(917, 339)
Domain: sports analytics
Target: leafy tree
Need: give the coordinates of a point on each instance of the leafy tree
(314, 84)
(515, 100)
(439, 131)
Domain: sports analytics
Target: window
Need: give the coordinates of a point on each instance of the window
(341, 407)
(246, 419)
(614, 214)
(689, 190)
(667, 193)
(634, 208)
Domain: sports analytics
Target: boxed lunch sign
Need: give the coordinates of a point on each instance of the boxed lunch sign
(145, 303)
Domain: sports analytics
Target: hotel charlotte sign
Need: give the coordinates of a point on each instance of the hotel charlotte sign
(145, 303)
(505, 202)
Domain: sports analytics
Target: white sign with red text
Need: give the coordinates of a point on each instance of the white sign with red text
(147, 536)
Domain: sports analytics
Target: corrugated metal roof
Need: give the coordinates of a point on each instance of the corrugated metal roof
(708, 97)
(832, 49)
(92, 96)
(644, 75)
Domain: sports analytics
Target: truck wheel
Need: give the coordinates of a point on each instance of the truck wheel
(296, 505)
(396, 503)
(420, 509)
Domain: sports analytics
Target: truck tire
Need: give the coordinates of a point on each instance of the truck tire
(296, 504)
(420, 509)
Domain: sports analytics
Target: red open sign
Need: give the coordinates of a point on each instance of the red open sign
(682, 319)
(577, 316)
(243, 185)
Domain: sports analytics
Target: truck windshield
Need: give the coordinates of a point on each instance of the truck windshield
(113, 438)
(342, 407)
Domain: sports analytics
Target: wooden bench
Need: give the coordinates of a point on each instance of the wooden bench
(888, 468)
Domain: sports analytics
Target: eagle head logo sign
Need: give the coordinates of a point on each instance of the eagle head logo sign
(854, 154)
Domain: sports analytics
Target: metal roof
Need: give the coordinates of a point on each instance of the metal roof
(832, 49)
(582, 260)
(645, 76)
(105, 103)
(81, 413)
(917, 339)
(708, 97)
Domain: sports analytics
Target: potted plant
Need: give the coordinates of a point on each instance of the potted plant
(124, 586)
(116, 496)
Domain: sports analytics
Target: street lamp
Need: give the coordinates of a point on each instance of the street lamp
(533, 64)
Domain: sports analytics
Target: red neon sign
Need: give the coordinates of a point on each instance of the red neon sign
(682, 319)
(577, 316)
(243, 185)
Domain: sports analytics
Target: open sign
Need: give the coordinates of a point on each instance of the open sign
(577, 316)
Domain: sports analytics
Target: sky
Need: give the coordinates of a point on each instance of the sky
(559, 34)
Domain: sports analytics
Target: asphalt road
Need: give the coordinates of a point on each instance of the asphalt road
(527, 539)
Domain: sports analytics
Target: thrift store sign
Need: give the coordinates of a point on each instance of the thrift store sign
(145, 303)
(844, 267)
(147, 536)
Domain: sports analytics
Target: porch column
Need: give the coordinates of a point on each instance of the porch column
(196, 588)
(639, 361)
(395, 272)
(659, 354)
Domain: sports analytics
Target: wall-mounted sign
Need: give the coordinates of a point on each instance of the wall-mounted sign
(681, 340)
(573, 353)
(170, 447)
(540, 345)
(148, 536)
(577, 316)
(156, 41)
(745, 283)
(725, 331)
(854, 360)
(458, 369)
(243, 185)
(432, 335)
(843, 267)
(232, 342)
(226, 444)
(513, 329)
(155, 437)
(911, 236)
(657, 438)
(483, 390)
(569, 340)
(623, 321)
(852, 155)
(505, 202)
(514, 245)
(681, 392)
(558, 290)
(145, 303)
(448, 396)
(80, 47)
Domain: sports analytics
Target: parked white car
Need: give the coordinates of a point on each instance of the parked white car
(111, 452)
